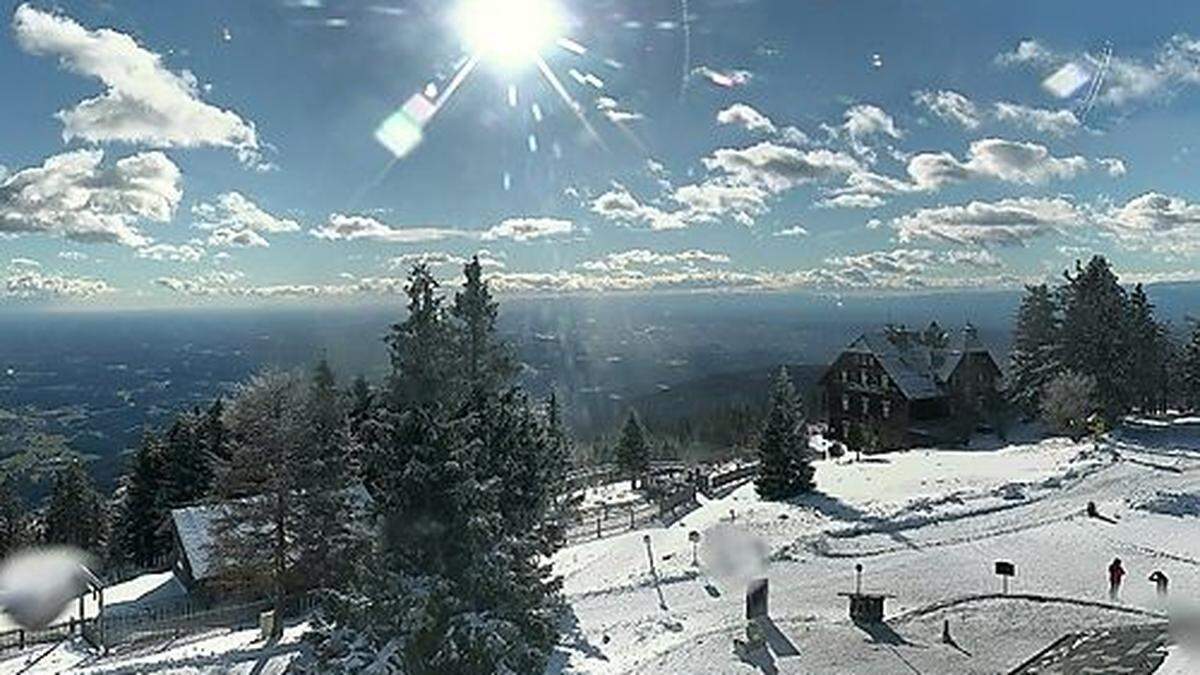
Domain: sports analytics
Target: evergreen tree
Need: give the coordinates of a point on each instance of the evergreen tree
(75, 513)
(633, 452)
(460, 580)
(1095, 336)
(142, 511)
(360, 402)
(420, 346)
(1035, 352)
(1190, 376)
(324, 479)
(485, 361)
(1148, 345)
(785, 469)
(213, 432)
(13, 517)
(187, 464)
(256, 533)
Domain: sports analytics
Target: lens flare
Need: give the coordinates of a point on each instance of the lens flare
(508, 33)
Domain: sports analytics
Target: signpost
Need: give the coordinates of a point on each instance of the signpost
(756, 599)
(1004, 570)
(694, 537)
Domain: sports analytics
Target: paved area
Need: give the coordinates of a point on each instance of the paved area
(1125, 650)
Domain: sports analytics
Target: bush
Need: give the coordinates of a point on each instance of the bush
(1067, 402)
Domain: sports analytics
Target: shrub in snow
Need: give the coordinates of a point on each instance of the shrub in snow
(1067, 402)
(1172, 504)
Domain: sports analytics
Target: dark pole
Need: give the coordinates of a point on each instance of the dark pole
(858, 578)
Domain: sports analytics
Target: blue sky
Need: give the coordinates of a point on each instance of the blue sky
(225, 152)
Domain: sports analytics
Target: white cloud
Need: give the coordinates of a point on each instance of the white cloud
(1005, 222)
(234, 211)
(32, 284)
(143, 101)
(1027, 52)
(527, 229)
(995, 158)
(851, 201)
(729, 79)
(1157, 222)
(342, 227)
(711, 201)
(1053, 122)
(776, 168)
(1174, 65)
(746, 117)
(231, 237)
(184, 253)
(1113, 165)
(73, 256)
(24, 263)
(641, 257)
(73, 196)
(621, 206)
(793, 231)
(869, 120)
(950, 106)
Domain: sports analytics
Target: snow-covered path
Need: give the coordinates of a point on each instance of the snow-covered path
(928, 527)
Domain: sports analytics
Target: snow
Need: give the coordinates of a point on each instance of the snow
(241, 652)
(1180, 661)
(125, 596)
(928, 526)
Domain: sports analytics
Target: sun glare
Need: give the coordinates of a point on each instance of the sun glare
(508, 33)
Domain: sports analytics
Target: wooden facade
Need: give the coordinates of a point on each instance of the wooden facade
(910, 387)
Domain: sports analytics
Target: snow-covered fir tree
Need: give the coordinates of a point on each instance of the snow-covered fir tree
(1035, 351)
(14, 519)
(76, 513)
(1190, 367)
(1095, 336)
(785, 469)
(461, 477)
(633, 450)
(142, 506)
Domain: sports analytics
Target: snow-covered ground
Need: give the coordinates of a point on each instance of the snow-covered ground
(928, 527)
(216, 652)
(124, 596)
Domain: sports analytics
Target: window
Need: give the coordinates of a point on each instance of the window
(864, 377)
(845, 376)
(887, 408)
(866, 406)
(845, 403)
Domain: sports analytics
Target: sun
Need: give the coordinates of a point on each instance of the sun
(508, 33)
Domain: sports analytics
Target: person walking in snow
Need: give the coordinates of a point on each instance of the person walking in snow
(1160, 583)
(1116, 572)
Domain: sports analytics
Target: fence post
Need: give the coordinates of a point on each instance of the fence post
(631, 516)
(597, 525)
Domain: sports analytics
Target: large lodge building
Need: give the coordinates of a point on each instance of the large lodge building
(910, 387)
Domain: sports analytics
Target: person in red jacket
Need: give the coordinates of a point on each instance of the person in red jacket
(1116, 572)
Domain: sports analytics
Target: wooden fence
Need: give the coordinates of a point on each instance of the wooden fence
(120, 625)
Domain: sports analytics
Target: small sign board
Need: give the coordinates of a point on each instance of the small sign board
(756, 599)
(1005, 569)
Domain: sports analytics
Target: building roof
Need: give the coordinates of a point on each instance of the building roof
(196, 527)
(920, 363)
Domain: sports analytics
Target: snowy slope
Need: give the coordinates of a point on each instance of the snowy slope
(927, 526)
